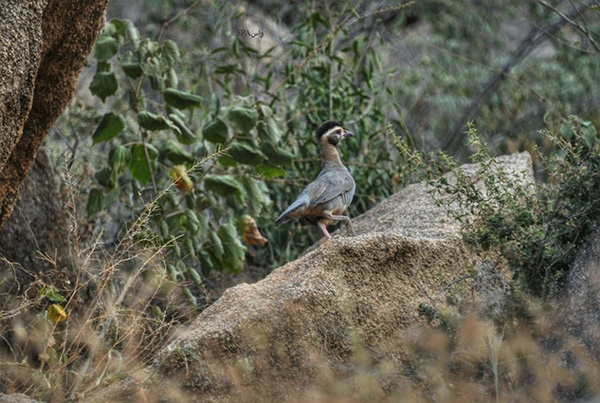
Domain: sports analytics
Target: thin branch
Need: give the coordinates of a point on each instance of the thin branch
(535, 38)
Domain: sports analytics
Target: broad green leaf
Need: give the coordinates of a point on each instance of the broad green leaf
(120, 26)
(187, 293)
(269, 172)
(180, 99)
(176, 154)
(226, 161)
(566, 129)
(206, 262)
(133, 70)
(170, 51)
(132, 32)
(224, 185)
(172, 79)
(243, 119)
(110, 125)
(105, 48)
(193, 273)
(118, 158)
(588, 133)
(245, 154)
(107, 178)
(216, 246)
(276, 155)
(268, 130)
(216, 132)
(147, 48)
(258, 196)
(152, 121)
(95, 202)
(138, 165)
(185, 135)
(235, 251)
(103, 84)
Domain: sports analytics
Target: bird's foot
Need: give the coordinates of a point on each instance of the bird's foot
(324, 229)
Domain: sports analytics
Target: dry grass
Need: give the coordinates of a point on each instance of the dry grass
(120, 309)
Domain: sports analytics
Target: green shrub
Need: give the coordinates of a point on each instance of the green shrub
(538, 229)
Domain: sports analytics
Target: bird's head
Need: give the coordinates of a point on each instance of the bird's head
(332, 132)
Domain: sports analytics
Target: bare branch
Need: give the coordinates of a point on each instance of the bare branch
(535, 38)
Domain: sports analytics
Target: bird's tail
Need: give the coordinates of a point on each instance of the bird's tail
(293, 207)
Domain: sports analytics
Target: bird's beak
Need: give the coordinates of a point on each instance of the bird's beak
(348, 134)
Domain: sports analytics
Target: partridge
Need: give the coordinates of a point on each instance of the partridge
(324, 200)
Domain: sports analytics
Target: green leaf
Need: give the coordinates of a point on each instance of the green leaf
(170, 51)
(103, 84)
(224, 185)
(133, 70)
(243, 119)
(589, 134)
(235, 251)
(105, 48)
(566, 129)
(245, 154)
(216, 132)
(152, 121)
(276, 155)
(258, 196)
(110, 125)
(118, 158)
(269, 172)
(120, 27)
(269, 130)
(107, 178)
(138, 165)
(206, 262)
(95, 202)
(227, 162)
(187, 293)
(176, 154)
(132, 32)
(216, 246)
(180, 99)
(147, 48)
(185, 135)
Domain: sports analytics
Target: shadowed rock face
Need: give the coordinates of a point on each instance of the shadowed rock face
(314, 318)
(579, 303)
(43, 46)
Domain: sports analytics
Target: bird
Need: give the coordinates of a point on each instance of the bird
(324, 200)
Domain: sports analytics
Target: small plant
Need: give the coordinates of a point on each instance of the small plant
(193, 166)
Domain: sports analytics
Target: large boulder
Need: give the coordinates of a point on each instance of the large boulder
(337, 310)
(43, 46)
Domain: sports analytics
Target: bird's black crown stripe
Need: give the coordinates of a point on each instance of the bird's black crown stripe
(325, 127)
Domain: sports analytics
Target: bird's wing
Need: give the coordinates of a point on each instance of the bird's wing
(329, 185)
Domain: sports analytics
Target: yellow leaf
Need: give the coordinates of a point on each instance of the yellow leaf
(180, 178)
(56, 313)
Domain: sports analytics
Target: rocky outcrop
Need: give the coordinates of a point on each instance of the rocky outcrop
(37, 227)
(579, 304)
(43, 46)
(334, 312)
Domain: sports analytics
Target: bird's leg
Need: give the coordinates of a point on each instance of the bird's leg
(340, 218)
(324, 229)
